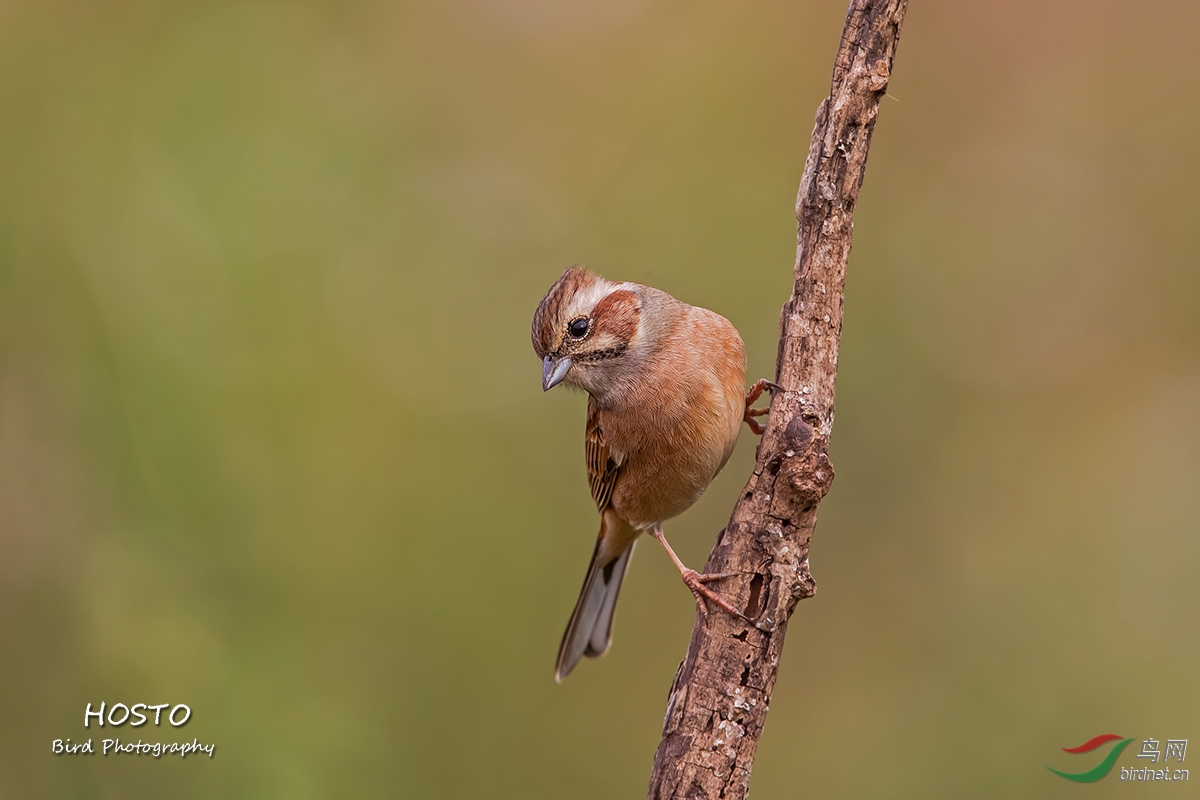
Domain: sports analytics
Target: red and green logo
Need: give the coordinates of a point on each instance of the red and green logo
(1100, 770)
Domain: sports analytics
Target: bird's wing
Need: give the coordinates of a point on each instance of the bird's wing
(603, 465)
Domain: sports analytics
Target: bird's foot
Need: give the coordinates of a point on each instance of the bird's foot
(755, 392)
(695, 582)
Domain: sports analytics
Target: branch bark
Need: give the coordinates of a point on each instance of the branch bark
(719, 699)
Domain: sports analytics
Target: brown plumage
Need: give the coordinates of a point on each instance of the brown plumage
(666, 386)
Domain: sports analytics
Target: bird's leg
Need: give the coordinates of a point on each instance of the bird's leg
(695, 581)
(755, 392)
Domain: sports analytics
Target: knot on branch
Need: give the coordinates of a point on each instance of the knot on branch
(805, 585)
(803, 472)
(791, 582)
(877, 77)
(798, 432)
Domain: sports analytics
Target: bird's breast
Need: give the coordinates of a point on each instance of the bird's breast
(678, 426)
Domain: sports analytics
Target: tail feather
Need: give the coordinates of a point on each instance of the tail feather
(589, 633)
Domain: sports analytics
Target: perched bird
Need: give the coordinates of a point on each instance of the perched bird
(667, 398)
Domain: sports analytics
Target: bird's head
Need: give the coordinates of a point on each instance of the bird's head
(584, 329)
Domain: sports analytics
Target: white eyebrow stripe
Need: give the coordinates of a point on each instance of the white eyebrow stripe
(586, 299)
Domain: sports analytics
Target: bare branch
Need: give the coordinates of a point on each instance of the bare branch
(719, 699)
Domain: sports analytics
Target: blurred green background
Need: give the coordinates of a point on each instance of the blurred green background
(273, 442)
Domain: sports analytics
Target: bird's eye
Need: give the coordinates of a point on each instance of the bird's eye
(578, 328)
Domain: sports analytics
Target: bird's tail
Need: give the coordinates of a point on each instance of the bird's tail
(589, 633)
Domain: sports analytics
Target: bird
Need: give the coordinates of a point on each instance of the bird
(666, 401)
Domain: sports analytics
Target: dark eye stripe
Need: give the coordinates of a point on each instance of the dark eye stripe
(601, 355)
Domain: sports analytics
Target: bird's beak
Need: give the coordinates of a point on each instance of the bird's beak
(554, 371)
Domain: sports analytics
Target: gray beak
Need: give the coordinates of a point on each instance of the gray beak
(553, 372)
